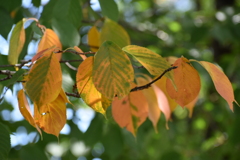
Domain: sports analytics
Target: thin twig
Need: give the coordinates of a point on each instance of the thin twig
(75, 52)
(73, 94)
(155, 80)
(72, 60)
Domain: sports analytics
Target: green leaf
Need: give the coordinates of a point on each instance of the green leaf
(112, 71)
(44, 80)
(16, 77)
(152, 61)
(5, 144)
(109, 9)
(17, 41)
(36, 3)
(69, 10)
(111, 31)
(32, 151)
(7, 25)
(67, 33)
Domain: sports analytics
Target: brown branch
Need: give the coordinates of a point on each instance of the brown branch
(73, 94)
(75, 52)
(155, 80)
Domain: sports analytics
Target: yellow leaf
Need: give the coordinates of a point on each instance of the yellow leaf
(94, 39)
(112, 71)
(44, 80)
(80, 51)
(86, 88)
(221, 82)
(187, 81)
(25, 110)
(48, 40)
(17, 41)
(111, 31)
(154, 111)
(51, 117)
(131, 111)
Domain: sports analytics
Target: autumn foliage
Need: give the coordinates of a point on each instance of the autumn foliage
(106, 78)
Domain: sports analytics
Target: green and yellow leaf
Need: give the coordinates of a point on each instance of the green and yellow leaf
(17, 41)
(44, 80)
(88, 92)
(112, 71)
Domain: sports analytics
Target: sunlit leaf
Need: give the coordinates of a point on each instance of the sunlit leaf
(187, 81)
(5, 145)
(86, 88)
(152, 61)
(221, 82)
(154, 111)
(161, 83)
(190, 106)
(93, 39)
(131, 111)
(109, 9)
(51, 117)
(112, 71)
(44, 80)
(111, 31)
(25, 109)
(17, 41)
(48, 40)
(80, 51)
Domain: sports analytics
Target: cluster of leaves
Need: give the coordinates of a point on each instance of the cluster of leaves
(108, 78)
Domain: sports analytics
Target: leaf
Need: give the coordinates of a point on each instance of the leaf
(154, 111)
(51, 117)
(47, 42)
(221, 82)
(80, 51)
(109, 9)
(152, 61)
(70, 10)
(190, 106)
(131, 111)
(86, 88)
(66, 31)
(5, 27)
(187, 81)
(5, 145)
(17, 41)
(111, 31)
(25, 110)
(94, 39)
(161, 83)
(44, 80)
(112, 71)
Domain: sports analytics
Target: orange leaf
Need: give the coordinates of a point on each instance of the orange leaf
(48, 40)
(94, 39)
(154, 111)
(187, 81)
(221, 82)
(44, 80)
(131, 111)
(25, 110)
(191, 105)
(52, 117)
(80, 51)
(86, 88)
(161, 83)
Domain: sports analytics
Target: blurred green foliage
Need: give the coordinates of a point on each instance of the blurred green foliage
(197, 29)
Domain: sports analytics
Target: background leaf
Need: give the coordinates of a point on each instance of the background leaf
(111, 31)
(187, 81)
(131, 111)
(109, 9)
(86, 88)
(17, 41)
(44, 80)
(112, 71)
(5, 145)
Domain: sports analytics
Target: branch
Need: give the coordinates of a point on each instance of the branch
(73, 94)
(75, 52)
(155, 80)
